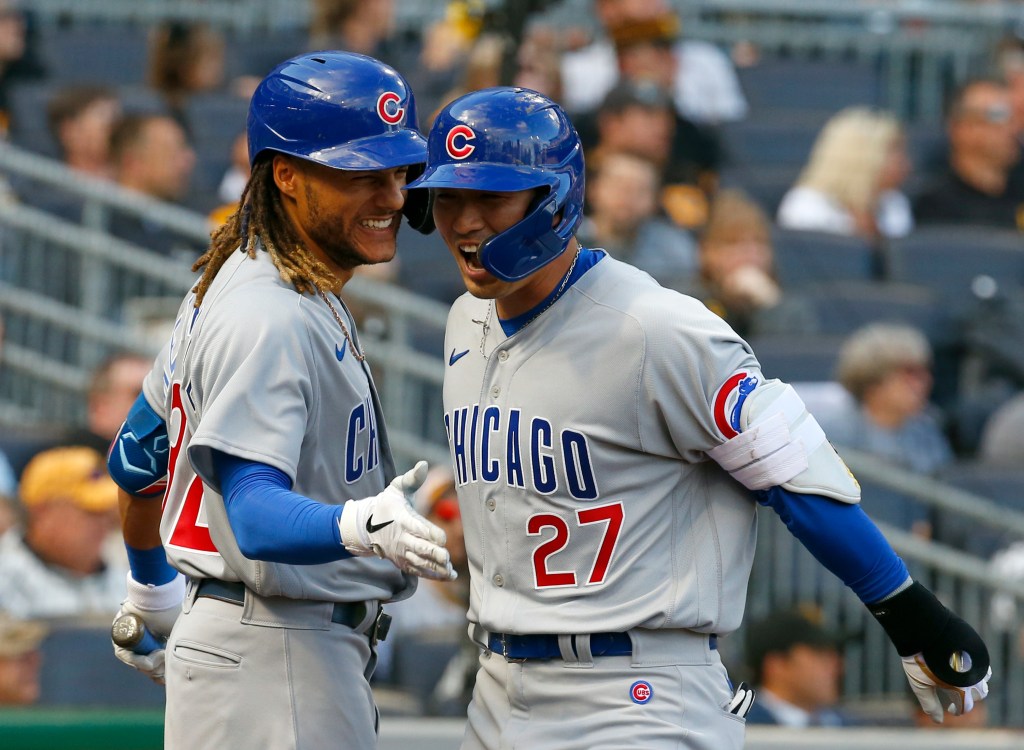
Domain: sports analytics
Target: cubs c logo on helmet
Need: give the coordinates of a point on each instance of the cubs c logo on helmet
(729, 400)
(457, 143)
(389, 108)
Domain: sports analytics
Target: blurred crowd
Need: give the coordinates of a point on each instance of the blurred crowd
(921, 363)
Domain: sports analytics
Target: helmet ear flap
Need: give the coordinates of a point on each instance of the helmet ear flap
(419, 210)
(419, 203)
(526, 246)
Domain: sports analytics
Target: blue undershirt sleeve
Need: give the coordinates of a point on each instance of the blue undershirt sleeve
(843, 539)
(272, 523)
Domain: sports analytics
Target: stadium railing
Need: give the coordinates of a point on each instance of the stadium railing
(53, 340)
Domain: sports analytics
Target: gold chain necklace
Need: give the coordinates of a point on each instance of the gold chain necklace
(344, 329)
(555, 297)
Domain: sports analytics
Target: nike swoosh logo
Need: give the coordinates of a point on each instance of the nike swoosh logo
(340, 353)
(371, 527)
(456, 357)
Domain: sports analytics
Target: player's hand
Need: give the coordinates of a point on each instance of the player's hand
(386, 525)
(935, 696)
(159, 607)
(151, 664)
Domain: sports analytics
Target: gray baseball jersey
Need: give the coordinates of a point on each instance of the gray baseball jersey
(265, 374)
(579, 447)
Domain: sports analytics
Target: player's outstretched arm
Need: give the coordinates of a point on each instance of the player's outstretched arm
(271, 522)
(783, 456)
(386, 525)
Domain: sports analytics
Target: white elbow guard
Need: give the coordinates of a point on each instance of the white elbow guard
(781, 444)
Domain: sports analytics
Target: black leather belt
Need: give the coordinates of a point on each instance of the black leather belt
(349, 614)
(545, 645)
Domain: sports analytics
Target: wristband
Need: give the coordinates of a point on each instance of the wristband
(918, 623)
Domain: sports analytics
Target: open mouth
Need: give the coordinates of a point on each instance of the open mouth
(471, 256)
(378, 224)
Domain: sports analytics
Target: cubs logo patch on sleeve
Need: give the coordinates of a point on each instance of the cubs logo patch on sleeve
(728, 403)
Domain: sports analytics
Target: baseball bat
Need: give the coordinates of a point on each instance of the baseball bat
(130, 632)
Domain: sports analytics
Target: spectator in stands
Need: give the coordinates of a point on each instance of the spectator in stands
(1010, 64)
(20, 660)
(984, 184)
(645, 51)
(152, 156)
(625, 220)
(113, 387)
(737, 278)
(797, 668)
(81, 119)
(851, 183)
(229, 191)
(19, 58)
(61, 564)
(887, 368)
(353, 25)
(368, 27)
(184, 60)
(436, 613)
(637, 117)
(701, 77)
(1002, 438)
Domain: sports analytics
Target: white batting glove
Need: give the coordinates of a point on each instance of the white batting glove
(386, 525)
(151, 664)
(935, 696)
(159, 607)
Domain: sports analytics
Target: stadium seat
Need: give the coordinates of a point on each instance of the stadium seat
(824, 86)
(841, 307)
(766, 185)
(771, 140)
(803, 257)
(105, 53)
(950, 260)
(796, 358)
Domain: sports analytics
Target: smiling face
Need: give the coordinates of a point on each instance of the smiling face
(465, 218)
(347, 219)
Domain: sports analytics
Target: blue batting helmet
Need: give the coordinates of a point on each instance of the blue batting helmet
(340, 109)
(505, 140)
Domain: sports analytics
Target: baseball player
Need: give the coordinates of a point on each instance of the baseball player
(259, 425)
(611, 440)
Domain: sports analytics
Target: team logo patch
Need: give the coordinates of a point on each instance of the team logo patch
(641, 692)
(457, 142)
(729, 402)
(389, 108)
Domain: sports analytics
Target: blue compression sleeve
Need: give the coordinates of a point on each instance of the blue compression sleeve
(843, 539)
(149, 565)
(272, 523)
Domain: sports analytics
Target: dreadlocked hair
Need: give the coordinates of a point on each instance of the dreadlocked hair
(261, 216)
